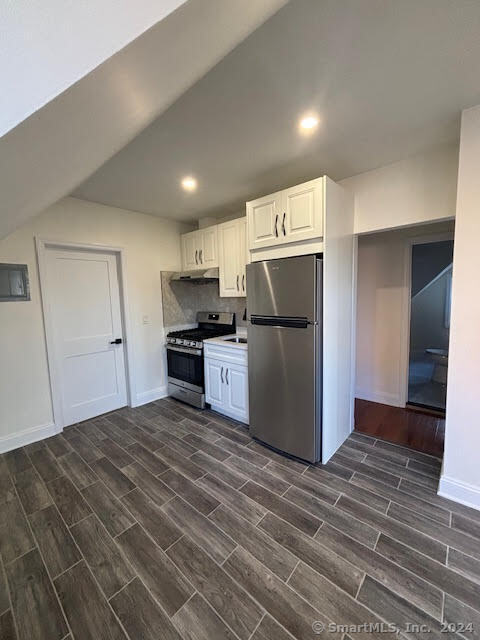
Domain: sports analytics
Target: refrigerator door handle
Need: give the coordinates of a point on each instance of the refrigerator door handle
(279, 321)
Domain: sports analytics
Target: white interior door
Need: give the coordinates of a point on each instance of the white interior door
(84, 310)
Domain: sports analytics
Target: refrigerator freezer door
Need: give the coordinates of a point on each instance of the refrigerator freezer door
(283, 287)
(283, 404)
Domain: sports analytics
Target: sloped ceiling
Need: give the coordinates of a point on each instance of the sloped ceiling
(388, 79)
(60, 145)
(43, 45)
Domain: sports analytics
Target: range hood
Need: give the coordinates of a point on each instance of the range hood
(199, 276)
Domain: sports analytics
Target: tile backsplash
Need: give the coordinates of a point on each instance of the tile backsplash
(182, 300)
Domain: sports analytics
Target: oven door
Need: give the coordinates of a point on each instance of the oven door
(185, 367)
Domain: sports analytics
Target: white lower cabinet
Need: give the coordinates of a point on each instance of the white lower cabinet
(226, 381)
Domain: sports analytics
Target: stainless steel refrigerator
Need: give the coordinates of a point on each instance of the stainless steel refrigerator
(284, 302)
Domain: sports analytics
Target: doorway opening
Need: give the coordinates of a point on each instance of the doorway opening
(430, 302)
(396, 354)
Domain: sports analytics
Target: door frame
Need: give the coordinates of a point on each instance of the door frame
(45, 244)
(405, 357)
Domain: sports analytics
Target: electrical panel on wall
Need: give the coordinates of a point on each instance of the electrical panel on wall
(14, 285)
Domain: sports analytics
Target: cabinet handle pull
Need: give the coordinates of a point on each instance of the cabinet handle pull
(243, 282)
(238, 279)
(226, 376)
(275, 226)
(221, 375)
(283, 223)
(200, 255)
(196, 256)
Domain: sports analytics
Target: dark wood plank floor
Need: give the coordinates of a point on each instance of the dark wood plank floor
(166, 522)
(406, 427)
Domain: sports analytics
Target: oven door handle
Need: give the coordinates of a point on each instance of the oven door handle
(193, 352)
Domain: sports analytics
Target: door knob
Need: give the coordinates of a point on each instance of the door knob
(116, 341)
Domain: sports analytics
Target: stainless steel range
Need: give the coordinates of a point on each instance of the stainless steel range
(185, 355)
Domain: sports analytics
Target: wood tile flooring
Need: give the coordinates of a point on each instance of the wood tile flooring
(166, 522)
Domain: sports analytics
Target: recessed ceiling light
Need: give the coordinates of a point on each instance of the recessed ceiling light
(308, 123)
(189, 183)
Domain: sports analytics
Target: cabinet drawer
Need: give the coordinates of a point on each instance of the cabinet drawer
(232, 355)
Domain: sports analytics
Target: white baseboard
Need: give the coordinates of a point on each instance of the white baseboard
(34, 434)
(467, 494)
(149, 396)
(379, 396)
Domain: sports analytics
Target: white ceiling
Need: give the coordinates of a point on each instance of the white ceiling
(42, 45)
(387, 77)
(55, 149)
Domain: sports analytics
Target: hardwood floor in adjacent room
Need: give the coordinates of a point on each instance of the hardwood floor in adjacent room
(418, 430)
(167, 522)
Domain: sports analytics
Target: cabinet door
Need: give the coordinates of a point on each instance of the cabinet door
(243, 254)
(190, 251)
(236, 385)
(214, 381)
(263, 221)
(208, 248)
(228, 259)
(302, 216)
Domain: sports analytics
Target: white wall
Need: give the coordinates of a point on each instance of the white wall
(417, 190)
(151, 245)
(382, 297)
(461, 467)
(47, 46)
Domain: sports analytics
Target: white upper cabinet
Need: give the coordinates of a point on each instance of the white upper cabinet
(191, 244)
(290, 216)
(200, 249)
(303, 211)
(263, 222)
(232, 258)
(209, 250)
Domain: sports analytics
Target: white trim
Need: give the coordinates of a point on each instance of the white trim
(150, 396)
(404, 360)
(42, 245)
(353, 372)
(467, 494)
(27, 436)
(378, 396)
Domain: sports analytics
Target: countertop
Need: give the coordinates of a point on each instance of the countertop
(222, 340)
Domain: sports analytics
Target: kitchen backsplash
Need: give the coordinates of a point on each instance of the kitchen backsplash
(182, 300)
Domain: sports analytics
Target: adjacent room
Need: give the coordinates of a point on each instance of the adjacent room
(238, 321)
